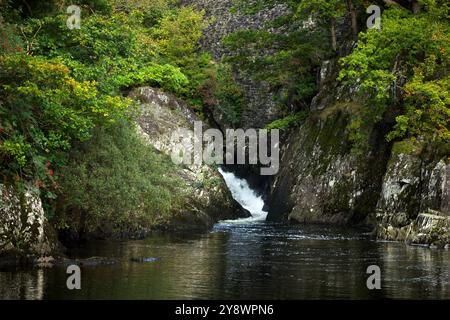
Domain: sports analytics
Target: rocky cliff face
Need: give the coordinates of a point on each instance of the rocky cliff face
(259, 108)
(161, 115)
(414, 203)
(388, 189)
(320, 180)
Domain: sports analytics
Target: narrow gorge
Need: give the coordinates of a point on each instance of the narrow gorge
(88, 120)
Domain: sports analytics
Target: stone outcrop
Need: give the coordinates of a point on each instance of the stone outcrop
(412, 185)
(427, 229)
(23, 226)
(161, 115)
(320, 180)
(387, 189)
(414, 204)
(259, 108)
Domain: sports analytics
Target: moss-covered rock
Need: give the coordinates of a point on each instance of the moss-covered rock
(321, 180)
(416, 181)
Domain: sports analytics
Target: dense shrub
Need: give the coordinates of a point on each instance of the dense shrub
(116, 183)
(64, 123)
(403, 70)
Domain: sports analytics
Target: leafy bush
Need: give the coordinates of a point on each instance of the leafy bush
(43, 111)
(404, 69)
(288, 121)
(116, 183)
(221, 92)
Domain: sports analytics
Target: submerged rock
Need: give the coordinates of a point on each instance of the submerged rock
(89, 262)
(145, 260)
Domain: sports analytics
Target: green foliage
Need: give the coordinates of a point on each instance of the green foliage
(288, 121)
(115, 183)
(43, 110)
(403, 69)
(426, 110)
(177, 34)
(10, 41)
(135, 43)
(322, 10)
(63, 119)
(177, 41)
(288, 61)
(408, 146)
(220, 91)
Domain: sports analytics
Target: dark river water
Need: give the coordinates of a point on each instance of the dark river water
(247, 260)
(244, 259)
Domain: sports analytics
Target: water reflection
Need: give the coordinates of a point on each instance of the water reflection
(249, 261)
(22, 285)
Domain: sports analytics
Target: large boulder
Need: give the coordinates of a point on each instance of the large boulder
(23, 226)
(321, 180)
(161, 115)
(415, 198)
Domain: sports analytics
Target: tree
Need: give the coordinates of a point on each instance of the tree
(325, 12)
(403, 69)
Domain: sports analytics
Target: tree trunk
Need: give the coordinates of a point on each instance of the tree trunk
(353, 14)
(333, 36)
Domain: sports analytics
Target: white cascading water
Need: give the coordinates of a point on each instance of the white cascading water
(246, 197)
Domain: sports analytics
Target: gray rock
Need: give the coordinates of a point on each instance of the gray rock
(320, 180)
(210, 200)
(260, 107)
(14, 228)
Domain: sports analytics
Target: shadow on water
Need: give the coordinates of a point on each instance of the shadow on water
(244, 259)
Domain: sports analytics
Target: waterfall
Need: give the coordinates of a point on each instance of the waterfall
(246, 197)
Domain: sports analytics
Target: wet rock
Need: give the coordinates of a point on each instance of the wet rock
(430, 229)
(320, 180)
(89, 262)
(415, 193)
(161, 115)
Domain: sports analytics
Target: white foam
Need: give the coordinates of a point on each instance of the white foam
(246, 197)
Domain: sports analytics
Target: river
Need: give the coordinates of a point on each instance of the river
(244, 259)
